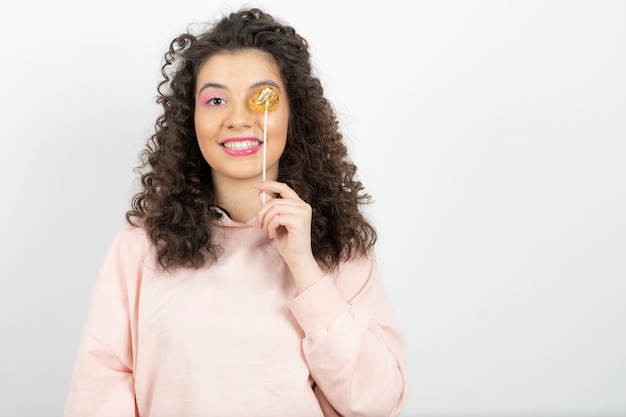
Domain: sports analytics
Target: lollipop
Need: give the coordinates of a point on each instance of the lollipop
(265, 100)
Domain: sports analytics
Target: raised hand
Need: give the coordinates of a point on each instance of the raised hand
(287, 220)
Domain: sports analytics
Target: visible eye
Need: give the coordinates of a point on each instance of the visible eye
(215, 101)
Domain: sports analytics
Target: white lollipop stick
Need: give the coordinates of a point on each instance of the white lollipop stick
(265, 100)
(264, 152)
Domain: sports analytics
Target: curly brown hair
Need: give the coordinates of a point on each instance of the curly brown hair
(176, 180)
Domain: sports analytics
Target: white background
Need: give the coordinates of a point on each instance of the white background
(491, 134)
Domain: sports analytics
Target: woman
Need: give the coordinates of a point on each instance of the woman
(227, 295)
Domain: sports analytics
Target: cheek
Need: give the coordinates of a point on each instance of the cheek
(279, 126)
(205, 130)
(204, 137)
(278, 139)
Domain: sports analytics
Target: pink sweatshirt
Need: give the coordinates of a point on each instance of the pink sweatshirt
(234, 338)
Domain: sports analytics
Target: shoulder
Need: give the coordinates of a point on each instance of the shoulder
(361, 262)
(131, 242)
(357, 272)
(132, 236)
(129, 258)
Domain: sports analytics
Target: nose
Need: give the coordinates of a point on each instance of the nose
(240, 116)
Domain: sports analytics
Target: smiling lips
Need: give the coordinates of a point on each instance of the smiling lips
(241, 146)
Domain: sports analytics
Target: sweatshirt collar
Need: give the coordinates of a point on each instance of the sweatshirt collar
(223, 218)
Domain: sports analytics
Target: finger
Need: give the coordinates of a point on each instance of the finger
(279, 188)
(279, 207)
(291, 223)
(276, 206)
(265, 197)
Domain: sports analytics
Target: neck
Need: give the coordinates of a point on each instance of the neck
(239, 197)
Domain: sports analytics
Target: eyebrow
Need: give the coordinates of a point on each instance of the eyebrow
(264, 83)
(253, 86)
(211, 85)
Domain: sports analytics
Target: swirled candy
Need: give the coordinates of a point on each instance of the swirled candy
(266, 97)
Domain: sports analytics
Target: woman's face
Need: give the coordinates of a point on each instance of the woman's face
(230, 133)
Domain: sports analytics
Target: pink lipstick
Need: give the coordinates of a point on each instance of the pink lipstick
(241, 146)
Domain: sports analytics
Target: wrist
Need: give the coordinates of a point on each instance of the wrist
(306, 273)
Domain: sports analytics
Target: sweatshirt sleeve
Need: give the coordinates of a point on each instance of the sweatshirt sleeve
(102, 382)
(353, 343)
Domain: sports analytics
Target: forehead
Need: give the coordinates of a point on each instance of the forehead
(239, 66)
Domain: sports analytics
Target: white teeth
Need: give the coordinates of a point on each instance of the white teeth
(239, 145)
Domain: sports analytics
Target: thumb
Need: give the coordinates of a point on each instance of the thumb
(265, 196)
